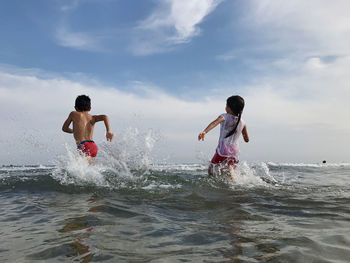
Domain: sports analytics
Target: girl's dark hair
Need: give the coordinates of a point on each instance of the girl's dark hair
(83, 103)
(236, 104)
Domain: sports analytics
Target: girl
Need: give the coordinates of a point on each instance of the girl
(231, 126)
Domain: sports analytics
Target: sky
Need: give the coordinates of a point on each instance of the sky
(164, 68)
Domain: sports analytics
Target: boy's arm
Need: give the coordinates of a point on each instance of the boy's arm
(245, 134)
(66, 124)
(104, 118)
(212, 125)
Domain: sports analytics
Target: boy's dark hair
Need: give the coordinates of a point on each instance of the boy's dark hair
(83, 103)
(236, 104)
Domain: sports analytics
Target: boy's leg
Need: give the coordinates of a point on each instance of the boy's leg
(90, 159)
(210, 170)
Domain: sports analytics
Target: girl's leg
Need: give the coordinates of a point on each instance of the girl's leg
(231, 169)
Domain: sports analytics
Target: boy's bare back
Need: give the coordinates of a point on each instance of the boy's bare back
(83, 125)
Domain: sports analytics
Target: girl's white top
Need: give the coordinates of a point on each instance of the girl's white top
(229, 147)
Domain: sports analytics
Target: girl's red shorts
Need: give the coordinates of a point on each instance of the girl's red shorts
(221, 159)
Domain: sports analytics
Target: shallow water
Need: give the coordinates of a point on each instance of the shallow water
(174, 213)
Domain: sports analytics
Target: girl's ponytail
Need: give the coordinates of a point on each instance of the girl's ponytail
(236, 104)
(235, 128)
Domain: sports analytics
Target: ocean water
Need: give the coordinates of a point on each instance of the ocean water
(128, 209)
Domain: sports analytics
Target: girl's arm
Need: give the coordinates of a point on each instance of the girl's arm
(245, 134)
(212, 125)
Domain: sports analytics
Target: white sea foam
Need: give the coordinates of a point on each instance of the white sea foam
(155, 185)
(130, 151)
(247, 175)
(24, 167)
(315, 165)
(179, 167)
(128, 162)
(75, 169)
(127, 158)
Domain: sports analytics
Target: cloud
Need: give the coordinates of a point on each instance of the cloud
(296, 108)
(283, 34)
(87, 40)
(173, 22)
(299, 52)
(66, 37)
(77, 40)
(33, 108)
(71, 5)
(307, 53)
(323, 31)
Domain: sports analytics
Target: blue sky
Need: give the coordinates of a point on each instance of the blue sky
(116, 42)
(177, 61)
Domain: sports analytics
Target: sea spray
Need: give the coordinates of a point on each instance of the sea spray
(121, 162)
(130, 152)
(128, 162)
(247, 175)
(74, 168)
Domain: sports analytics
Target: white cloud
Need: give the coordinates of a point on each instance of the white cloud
(71, 5)
(301, 55)
(33, 109)
(77, 40)
(318, 27)
(173, 22)
(283, 34)
(297, 111)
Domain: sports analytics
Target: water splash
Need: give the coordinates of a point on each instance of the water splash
(245, 174)
(75, 169)
(130, 152)
(127, 163)
(126, 159)
(250, 175)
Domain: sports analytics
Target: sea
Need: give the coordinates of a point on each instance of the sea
(123, 209)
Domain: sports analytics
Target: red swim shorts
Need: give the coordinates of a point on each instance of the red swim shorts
(220, 159)
(88, 147)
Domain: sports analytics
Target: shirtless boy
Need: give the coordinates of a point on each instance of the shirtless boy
(83, 126)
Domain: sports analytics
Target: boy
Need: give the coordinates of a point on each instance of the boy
(83, 126)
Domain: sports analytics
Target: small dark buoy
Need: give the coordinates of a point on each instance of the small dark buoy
(324, 161)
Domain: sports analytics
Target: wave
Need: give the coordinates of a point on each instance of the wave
(128, 164)
(24, 167)
(73, 174)
(312, 165)
(76, 175)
